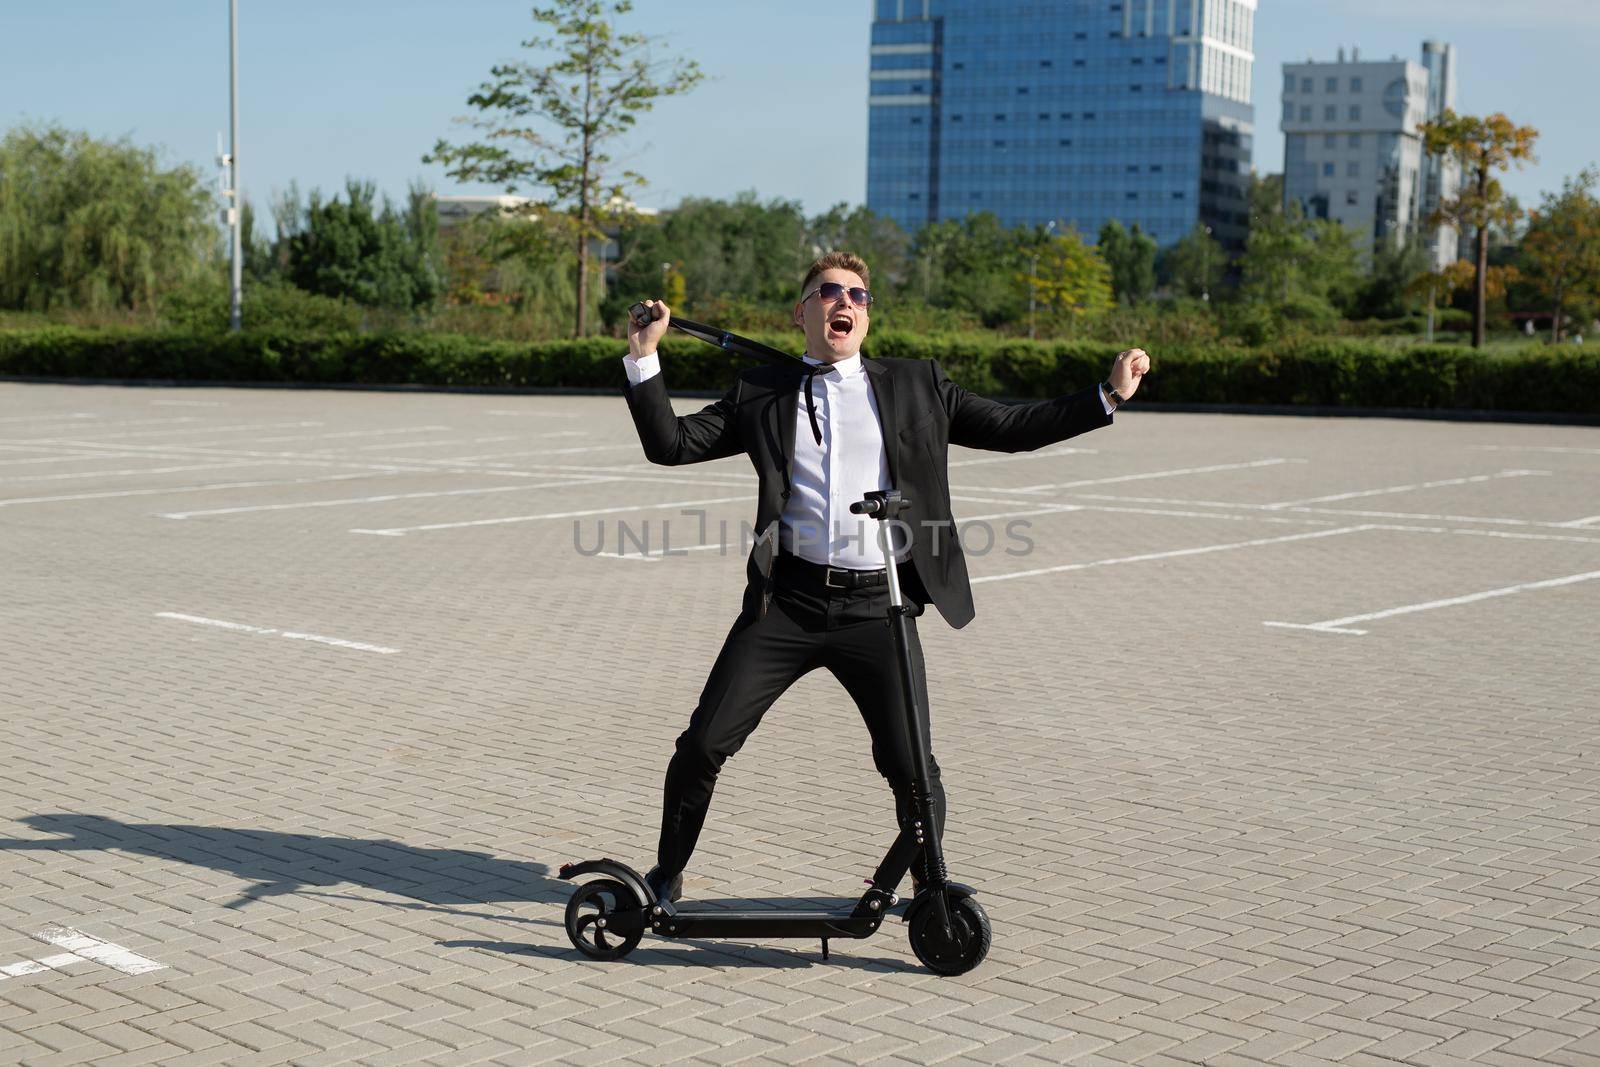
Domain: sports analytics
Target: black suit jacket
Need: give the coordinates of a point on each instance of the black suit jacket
(922, 413)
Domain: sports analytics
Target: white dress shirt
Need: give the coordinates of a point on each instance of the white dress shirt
(826, 479)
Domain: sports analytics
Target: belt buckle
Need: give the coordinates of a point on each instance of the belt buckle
(827, 578)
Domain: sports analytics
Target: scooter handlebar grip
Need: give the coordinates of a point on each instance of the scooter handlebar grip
(643, 316)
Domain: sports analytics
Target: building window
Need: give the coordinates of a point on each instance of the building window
(1155, 168)
(1305, 85)
(916, 88)
(1327, 170)
(1080, 36)
(1160, 61)
(1305, 113)
(1352, 198)
(1331, 85)
(1330, 140)
(1352, 169)
(1355, 140)
(1355, 112)
(1177, 196)
(1131, 168)
(999, 117)
(1022, 90)
(1135, 88)
(1130, 196)
(916, 120)
(914, 196)
(1077, 63)
(1045, 63)
(1330, 113)
(1066, 142)
(1137, 61)
(1355, 85)
(1288, 83)
(1088, 116)
(1066, 115)
(1044, 116)
(1002, 144)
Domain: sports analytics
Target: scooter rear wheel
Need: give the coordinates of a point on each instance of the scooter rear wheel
(970, 944)
(588, 915)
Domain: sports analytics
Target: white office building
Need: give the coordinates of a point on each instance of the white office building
(1353, 150)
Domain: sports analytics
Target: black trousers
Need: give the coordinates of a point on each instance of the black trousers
(807, 626)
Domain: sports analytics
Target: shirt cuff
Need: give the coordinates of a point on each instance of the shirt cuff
(642, 369)
(1105, 401)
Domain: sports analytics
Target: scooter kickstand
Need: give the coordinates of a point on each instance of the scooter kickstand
(824, 950)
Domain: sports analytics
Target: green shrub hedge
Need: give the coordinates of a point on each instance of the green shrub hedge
(1340, 372)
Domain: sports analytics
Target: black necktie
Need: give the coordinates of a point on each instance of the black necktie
(811, 404)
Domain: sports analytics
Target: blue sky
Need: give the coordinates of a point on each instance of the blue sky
(364, 87)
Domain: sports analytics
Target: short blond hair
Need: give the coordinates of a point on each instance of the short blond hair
(837, 260)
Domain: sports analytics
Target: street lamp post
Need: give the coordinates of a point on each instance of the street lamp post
(1033, 273)
(1205, 267)
(235, 204)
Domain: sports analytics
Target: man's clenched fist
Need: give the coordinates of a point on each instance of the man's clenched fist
(1129, 367)
(642, 340)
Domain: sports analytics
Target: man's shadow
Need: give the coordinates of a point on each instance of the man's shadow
(282, 863)
(442, 879)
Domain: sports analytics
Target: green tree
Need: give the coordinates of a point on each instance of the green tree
(1131, 255)
(96, 224)
(1070, 279)
(1561, 251)
(591, 95)
(972, 265)
(1481, 146)
(351, 249)
(1384, 292)
(1194, 264)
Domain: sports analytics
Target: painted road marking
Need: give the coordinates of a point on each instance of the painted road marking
(241, 627)
(130, 473)
(1174, 473)
(98, 950)
(1342, 625)
(1175, 553)
(400, 531)
(189, 488)
(1476, 478)
(49, 963)
(385, 498)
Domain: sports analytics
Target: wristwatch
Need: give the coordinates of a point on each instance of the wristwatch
(1117, 399)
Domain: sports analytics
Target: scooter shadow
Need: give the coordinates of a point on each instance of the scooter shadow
(710, 955)
(703, 952)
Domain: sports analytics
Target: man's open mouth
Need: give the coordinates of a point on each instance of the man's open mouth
(840, 326)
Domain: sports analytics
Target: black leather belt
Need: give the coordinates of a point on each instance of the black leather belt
(843, 578)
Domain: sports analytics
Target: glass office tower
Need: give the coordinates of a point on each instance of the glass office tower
(1073, 111)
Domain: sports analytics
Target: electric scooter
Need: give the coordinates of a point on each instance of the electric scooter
(607, 917)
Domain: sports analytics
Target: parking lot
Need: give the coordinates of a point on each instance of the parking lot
(1278, 742)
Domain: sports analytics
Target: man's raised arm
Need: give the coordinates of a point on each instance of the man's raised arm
(978, 422)
(710, 433)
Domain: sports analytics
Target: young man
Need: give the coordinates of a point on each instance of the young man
(822, 435)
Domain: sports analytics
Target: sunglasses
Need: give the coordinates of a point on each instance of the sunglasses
(831, 291)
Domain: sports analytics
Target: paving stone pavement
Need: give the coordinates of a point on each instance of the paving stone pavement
(1371, 836)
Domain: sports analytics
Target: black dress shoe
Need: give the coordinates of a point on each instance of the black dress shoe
(664, 888)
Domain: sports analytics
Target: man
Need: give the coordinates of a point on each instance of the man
(822, 435)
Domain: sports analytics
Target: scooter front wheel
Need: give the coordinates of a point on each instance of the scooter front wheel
(589, 913)
(964, 950)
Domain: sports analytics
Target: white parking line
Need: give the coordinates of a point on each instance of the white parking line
(1590, 521)
(1342, 625)
(47, 418)
(271, 631)
(132, 472)
(209, 487)
(161, 433)
(1013, 457)
(93, 948)
(1407, 488)
(243, 509)
(49, 963)
(1537, 448)
(400, 531)
(1174, 473)
(1349, 513)
(1147, 556)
